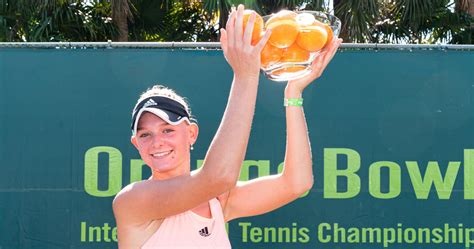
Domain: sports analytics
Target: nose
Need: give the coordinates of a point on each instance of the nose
(157, 141)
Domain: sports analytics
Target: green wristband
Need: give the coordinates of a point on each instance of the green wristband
(293, 102)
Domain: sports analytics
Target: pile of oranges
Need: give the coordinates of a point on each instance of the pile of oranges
(294, 36)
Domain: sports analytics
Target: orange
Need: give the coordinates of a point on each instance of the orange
(330, 34)
(328, 30)
(270, 55)
(284, 28)
(312, 38)
(295, 54)
(257, 27)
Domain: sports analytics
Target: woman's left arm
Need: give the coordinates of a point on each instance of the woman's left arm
(265, 194)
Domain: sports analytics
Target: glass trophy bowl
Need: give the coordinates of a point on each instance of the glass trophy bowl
(291, 65)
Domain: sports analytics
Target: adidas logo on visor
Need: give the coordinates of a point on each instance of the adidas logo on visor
(149, 103)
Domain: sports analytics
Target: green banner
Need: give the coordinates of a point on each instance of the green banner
(392, 134)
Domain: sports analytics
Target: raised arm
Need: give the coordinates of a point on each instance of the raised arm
(228, 147)
(148, 200)
(265, 194)
(298, 161)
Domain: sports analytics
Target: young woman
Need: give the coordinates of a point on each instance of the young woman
(177, 208)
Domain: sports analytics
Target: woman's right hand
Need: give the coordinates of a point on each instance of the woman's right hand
(294, 88)
(242, 56)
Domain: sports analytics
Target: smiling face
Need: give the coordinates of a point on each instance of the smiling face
(164, 147)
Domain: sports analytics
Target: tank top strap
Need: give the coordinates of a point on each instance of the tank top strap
(216, 209)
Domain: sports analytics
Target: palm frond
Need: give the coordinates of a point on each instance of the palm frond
(358, 18)
(319, 5)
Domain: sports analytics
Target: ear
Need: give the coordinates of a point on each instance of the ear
(133, 139)
(193, 130)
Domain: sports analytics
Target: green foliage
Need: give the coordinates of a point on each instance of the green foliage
(357, 17)
(452, 27)
(179, 21)
(57, 20)
(318, 5)
(429, 21)
(269, 7)
(374, 21)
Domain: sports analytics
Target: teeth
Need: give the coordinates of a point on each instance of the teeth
(161, 154)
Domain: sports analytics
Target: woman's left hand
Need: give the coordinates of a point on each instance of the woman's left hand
(242, 56)
(317, 67)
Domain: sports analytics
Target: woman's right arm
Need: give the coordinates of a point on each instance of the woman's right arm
(151, 200)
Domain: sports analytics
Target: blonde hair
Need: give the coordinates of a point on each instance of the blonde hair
(160, 90)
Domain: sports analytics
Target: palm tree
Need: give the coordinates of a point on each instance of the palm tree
(377, 21)
(222, 8)
(55, 20)
(407, 21)
(465, 8)
(121, 15)
(357, 18)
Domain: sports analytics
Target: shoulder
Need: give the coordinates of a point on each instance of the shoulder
(128, 194)
(127, 190)
(128, 203)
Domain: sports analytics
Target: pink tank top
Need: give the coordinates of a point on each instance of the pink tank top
(188, 230)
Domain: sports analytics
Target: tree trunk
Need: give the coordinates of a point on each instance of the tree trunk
(470, 11)
(466, 6)
(120, 15)
(344, 34)
(471, 8)
(122, 25)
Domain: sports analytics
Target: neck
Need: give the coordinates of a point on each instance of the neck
(183, 169)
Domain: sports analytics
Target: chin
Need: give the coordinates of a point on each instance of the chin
(162, 168)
